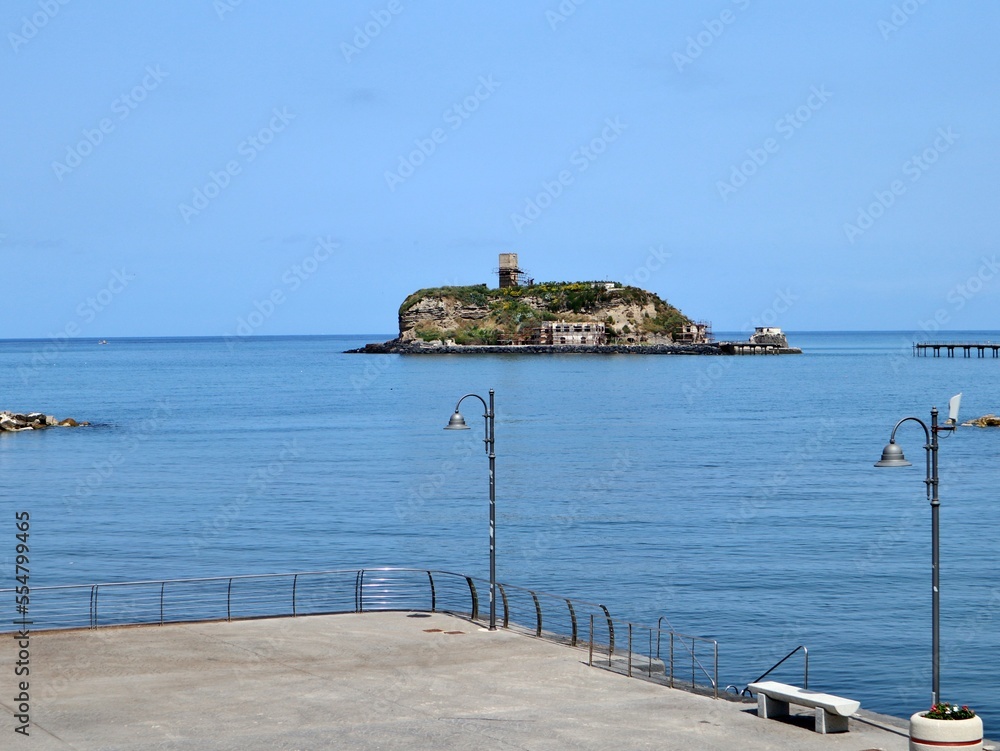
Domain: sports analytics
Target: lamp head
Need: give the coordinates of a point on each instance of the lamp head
(892, 456)
(457, 422)
(953, 406)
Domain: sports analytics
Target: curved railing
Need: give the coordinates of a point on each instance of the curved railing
(249, 596)
(575, 623)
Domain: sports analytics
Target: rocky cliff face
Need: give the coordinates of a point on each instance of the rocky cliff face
(478, 315)
(441, 312)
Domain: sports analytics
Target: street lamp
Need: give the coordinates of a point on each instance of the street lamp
(892, 456)
(457, 422)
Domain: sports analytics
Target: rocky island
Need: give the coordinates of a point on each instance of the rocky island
(583, 315)
(522, 316)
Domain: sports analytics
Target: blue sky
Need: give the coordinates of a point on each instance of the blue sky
(214, 167)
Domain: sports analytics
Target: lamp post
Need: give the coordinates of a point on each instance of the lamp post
(892, 456)
(457, 422)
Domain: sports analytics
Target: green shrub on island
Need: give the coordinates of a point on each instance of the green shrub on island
(431, 334)
(464, 336)
(476, 294)
(670, 321)
(476, 335)
(578, 297)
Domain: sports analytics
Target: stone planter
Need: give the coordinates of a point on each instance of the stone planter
(933, 735)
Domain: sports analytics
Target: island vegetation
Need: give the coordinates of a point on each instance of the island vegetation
(480, 315)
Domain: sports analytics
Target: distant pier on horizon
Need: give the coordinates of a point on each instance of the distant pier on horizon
(933, 349)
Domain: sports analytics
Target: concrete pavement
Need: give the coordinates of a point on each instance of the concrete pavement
(369, 681)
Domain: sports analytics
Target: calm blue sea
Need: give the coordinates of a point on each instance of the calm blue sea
(734, 495)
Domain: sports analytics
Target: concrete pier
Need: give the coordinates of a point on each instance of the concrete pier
(372, 681)
(924, 349)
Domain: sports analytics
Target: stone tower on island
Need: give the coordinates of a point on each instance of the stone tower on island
(510, 274)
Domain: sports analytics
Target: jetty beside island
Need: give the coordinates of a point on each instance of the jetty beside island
(521, 316)
(765, 340)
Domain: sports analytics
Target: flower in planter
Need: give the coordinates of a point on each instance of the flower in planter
(945, 711)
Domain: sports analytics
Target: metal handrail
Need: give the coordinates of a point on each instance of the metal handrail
(503, 596)
(572, 619)
(988, 343)
(670, 664)
(805, 678)
(475, 597)
(690, 650)
(538, 614)
(541, 614)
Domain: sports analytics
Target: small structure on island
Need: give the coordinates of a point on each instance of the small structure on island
(765, 340)
(510, 274)
(580, 333)
(769, 335)
(698, 332)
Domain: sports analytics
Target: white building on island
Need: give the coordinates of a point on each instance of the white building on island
(569, 332)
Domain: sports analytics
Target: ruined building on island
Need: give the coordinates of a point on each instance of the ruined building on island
(568, 332)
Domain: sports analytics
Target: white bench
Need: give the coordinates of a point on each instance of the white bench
(831, 711)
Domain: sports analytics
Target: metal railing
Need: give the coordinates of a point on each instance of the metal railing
(254, 596)
(643, 654)
(250, 596)
(805, 670)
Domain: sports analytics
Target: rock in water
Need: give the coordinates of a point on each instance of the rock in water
(9, 424)
(986, 421)
(13, 422)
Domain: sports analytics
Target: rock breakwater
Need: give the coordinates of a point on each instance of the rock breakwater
(410, 347)
(14, 422)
